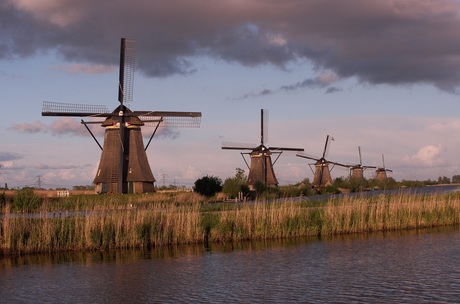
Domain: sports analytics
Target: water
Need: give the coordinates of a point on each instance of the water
(400, 267)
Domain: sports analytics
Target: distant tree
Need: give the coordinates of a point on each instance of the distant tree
(87, 187)
(234, 185)
(208, 185)
(443, 180)
(456, 179)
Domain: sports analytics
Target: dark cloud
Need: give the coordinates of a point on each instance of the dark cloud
(394, 42)
(322, 81)
(9, 156)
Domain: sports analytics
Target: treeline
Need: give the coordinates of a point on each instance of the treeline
(236, 187)
(445, 180)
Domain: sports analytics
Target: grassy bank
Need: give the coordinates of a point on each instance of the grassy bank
(134, 222)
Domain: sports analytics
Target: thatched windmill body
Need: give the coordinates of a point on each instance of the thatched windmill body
(357, 171)
(322, 174)
(381, 172)
(123, 166)
(261, 165)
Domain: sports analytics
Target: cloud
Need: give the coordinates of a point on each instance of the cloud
(9, 156)
(324, 80)
(60, 167)
(430, 155)
(33, 127)
(85, 68)
(61, 126)
(66, 126)
(396, 42)
(451, 126)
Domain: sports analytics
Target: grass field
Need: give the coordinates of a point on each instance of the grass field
(89, 222)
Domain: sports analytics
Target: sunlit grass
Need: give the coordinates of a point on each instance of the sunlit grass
(143, 221)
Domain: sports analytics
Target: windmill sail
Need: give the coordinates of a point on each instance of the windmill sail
(126, 73)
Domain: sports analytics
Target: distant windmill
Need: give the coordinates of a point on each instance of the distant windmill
(381, 172)
(322, 174)
(124, 167)
(357, 171)
(261, 168)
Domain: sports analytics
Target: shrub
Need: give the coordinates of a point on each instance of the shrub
(208, 185)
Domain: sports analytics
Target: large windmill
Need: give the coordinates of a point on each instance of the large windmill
(261, 168)
(123, 167)
(357, 171)
(322, 174)
(381, 172)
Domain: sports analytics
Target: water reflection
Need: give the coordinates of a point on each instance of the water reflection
(404, 266)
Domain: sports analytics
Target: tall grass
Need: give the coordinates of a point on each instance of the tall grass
(137, 222)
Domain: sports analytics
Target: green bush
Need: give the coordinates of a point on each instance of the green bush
(208, 185)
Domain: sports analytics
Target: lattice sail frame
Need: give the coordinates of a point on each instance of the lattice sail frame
(129, 66)
(51, 108)
(149, 118)
(171, 121)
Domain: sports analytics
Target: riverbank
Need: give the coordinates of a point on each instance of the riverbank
(136, 222)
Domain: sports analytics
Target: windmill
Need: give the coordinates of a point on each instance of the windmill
(381, 172)
(322, 174)
(261, 168)
(123, 167)
(356, 171)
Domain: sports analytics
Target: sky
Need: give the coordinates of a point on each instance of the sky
(383, 75)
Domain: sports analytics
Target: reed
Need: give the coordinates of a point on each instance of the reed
(139, 222)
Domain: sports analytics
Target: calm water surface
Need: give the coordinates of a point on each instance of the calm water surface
(403, 267)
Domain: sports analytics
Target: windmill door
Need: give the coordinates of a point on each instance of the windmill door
(130, 187)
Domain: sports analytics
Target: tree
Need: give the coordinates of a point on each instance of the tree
(208, 185)
(456, 179)
(234, 185)
(443, 180)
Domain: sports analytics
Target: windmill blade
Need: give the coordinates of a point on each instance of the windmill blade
(369, 167)
(263, 126)
(360, 159)
(127, 67)
(169, 119)
(165, 114)
(69, 109)
(388, 170)
(326, 145)
(238, 146)
(337, 164)
(285, 149)
(308, 157)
